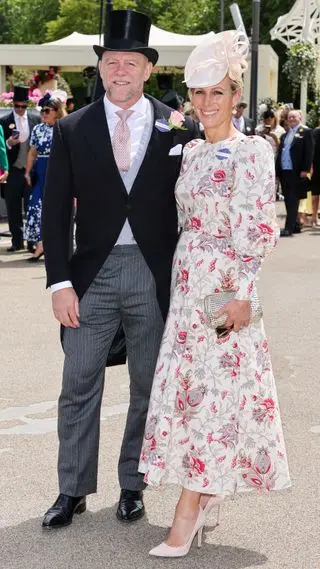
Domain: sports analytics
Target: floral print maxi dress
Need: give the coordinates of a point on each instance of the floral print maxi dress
(41, 139)
(213, 424)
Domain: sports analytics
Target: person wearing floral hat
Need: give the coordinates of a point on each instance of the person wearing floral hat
(213, 425)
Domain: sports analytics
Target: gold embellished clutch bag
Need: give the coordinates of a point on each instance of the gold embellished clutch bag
(214, 302)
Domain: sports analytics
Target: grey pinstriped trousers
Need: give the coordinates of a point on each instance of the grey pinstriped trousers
(123, 291)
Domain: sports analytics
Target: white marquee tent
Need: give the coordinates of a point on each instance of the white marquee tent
(75, 52)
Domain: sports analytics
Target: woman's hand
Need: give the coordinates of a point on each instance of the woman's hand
(27, 178)
(238, 314)
(4, 176)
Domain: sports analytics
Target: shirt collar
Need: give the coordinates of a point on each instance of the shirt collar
(140, 107)
(16, 116)
(295, 128)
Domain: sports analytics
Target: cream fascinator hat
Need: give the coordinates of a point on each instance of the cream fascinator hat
(215, 57)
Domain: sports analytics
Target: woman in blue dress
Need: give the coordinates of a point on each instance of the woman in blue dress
(40, 145)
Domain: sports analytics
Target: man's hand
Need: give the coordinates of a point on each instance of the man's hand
(4, 176)
(303, 174)
(13, 140)
(65, 305)
(238, 314)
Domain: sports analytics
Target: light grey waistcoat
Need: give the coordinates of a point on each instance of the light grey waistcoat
(128, 178)
(21, 160)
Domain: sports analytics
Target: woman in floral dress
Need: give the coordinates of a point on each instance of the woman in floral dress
(40, 145)
(213, 424)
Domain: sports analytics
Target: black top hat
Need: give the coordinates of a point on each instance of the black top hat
(21, 93)
(172, 99)
(128, 31)
(164, 81)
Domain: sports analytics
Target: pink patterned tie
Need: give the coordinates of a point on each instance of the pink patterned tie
(121, 141)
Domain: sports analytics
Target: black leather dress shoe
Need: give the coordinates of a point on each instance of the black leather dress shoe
(130, 506)
(14, 248)
(61, 513)
(285, 233)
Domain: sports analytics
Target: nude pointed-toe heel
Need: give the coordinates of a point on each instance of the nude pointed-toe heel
(214, 501)
(200, 530)
(165, 550)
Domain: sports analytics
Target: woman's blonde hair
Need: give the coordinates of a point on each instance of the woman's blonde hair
(188, 110)
(59, 107)
(236, 85)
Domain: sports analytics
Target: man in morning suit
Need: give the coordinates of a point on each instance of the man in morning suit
(120, 159)
(242, 123)
(17, 127)
(293, 165)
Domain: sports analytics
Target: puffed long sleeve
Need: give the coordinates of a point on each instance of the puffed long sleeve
(253, 221)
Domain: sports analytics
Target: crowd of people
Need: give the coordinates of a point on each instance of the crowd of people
(25, 142)
(173, 225)
(296, 153)
(24, 153)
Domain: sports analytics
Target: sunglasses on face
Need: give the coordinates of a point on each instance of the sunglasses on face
(47, 111)
(17, 106)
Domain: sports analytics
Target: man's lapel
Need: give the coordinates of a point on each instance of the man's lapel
(158, 137)
(97, 135)
(160, 142)
(299, 133)
(32, 121)
(8, 121)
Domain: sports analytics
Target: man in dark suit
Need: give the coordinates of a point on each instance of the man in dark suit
(17, 127)
(173, 100)
(293, 166)
(120, 157)
(242, 123)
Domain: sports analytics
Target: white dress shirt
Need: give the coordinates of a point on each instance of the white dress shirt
(238, 123)
(136, 123)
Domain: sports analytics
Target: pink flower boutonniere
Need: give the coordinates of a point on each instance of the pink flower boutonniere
(175, 121)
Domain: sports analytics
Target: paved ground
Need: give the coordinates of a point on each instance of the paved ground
(273, 532)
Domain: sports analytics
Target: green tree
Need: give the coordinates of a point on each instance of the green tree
(79, 16)
(270, 10)
(21, 22)
(4, 22)
(201, 16)
(193, 18)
